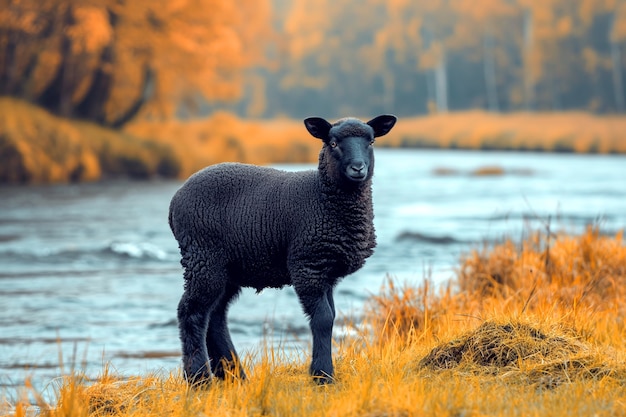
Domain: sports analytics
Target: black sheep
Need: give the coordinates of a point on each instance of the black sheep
(242, 225)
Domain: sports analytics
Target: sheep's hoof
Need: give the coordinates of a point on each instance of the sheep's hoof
(200, 379)
(229, 370)
(323, 378)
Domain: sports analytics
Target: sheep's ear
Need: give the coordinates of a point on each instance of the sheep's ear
(317, 127)
(382, 124)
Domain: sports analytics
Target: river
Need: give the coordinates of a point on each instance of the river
(90, 273)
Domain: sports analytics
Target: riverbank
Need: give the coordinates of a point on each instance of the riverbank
(37, 147)
(528, 328)
(224, 137)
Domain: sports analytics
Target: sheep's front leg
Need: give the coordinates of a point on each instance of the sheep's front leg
(319, 306)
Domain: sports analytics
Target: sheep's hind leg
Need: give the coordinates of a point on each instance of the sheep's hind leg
(219, 344)
(202, 292)
(319, 306)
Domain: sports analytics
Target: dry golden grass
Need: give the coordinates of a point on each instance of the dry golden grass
(224, 137)
(549, 132)
(38, 147)
(488, 171)
(577, 281)
(534, 328)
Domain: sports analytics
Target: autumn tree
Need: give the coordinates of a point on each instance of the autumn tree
(617, 38)
(423, 32)
(109, 60)
(616, 35)
(327, 44)
(485, 33)
(415, 56)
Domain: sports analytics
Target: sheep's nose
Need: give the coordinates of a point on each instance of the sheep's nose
(357, 167)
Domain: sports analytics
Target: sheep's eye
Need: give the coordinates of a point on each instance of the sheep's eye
(333, 144)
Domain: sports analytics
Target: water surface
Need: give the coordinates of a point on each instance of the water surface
(90, 274)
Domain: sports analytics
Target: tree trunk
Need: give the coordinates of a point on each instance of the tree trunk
(147, 90)
(441, 84)
(616, 60)
(55, 97)
(529, 81)
(22, 89)
(66, 86)
(430, 90)
(9, 41)
(388, 90)
(389, 81)
(92, 106)
(553, 88)
(490, 72)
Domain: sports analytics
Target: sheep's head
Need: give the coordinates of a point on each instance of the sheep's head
(348, 144)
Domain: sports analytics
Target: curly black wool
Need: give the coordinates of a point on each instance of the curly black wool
(241, 225)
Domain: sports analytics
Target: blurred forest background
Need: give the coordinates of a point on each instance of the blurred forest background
(102, 88)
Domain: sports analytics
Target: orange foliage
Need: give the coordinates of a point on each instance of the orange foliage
(224, 137)
(104, 59)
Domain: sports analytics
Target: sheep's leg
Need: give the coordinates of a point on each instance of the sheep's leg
(193, 316)
(319, 306)
(331, 301)
(202, 292)
(220, 346)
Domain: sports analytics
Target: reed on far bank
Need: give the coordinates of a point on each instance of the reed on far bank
(224, 137)
(564, 132)
(38, 147)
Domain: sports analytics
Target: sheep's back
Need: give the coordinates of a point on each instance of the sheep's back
(245, 215)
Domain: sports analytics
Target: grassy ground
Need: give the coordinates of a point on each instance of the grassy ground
(529, 328)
